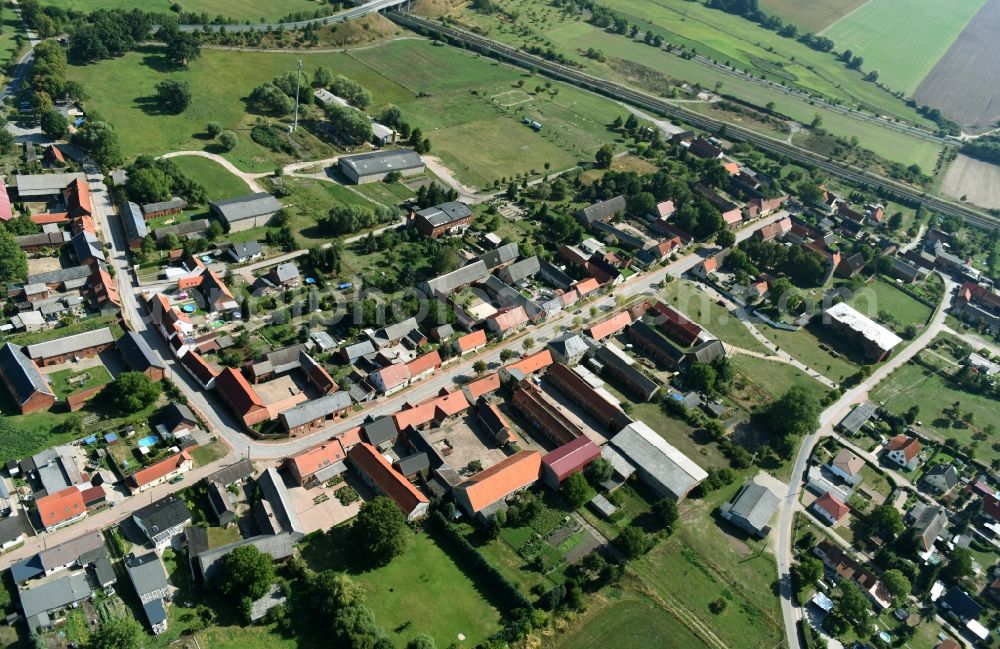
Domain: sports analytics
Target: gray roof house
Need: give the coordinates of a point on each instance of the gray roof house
(276, 495)
(37, 602)
(352, 353)
(191, 228)
(21, 376)
(236, 472)
(570, 348)
(137, 353)
(70, 344)
(44, 185)
(374, 166)
(666, 470)
(519, 271)
(279, 546)
(941, 477)
(602, 211)
(502, 255)
(149, 578)
(245, 212)
(380, 433)
(163, 519)
(446, 284)
(326, 407)
(221, 504)
(87, 246)
(927, 523)
(855, 419)
(246, 251)
(72, 277)
(752, 509)
(56, 558)
(133, 223)
(286, 274)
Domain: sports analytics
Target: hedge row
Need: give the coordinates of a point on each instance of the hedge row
(460, 543)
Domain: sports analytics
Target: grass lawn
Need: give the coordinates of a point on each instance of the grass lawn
(249, 10)
(84, 380)
(209, 453)
(422, 591)
(914, 385)
(902, 39)
(219, 536)
(804, 346)
(628, 623)
(702, 310)
(773, 377)
(219, 182)
(880, 297)
(706, 559)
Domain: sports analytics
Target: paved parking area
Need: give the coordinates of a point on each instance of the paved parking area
(319, 509)
(468, 442)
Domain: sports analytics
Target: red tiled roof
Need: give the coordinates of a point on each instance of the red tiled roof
(588, 285)
(732, 167)
(53, 217)
(422, 364)
(665, 209)
(83, 224)
(471, 341)
(237, 391)
(197, 365)
(438, 408)
(60, 506)
(93, 494)
(502, 479)
(318, 457)
(394, 375)
(614, 324)
(485, 385)
(572, 457)
(157, 471)
(55, 153)
(832, 506)
(533, 363)
(77, 195)
(910, 446)
(350, 437)
(991, 507)
(389, 481)
(510, 318)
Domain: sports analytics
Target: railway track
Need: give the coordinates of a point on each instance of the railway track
(660, 106)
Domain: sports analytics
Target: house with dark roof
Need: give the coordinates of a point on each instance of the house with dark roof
(176, 421)
(38, 602)
(375, 166)
(315, 414)
(857, 418)
(245, 212)
(444, 285)
(149, 578)
(603, 211)
(285, 274)
(139, 355)
(941, 477)
(376, 471)
(162, 520)
(499, 257)
(622, 368)
(232, 474)
(134, 224)
(189, 229)
(572, 457)
(381, 433)
(494, 422)
(199, 368)
(26, 384)
(752, 509)
(927, 523)
(447, 218)
(702, 148)
(274, 512)
(655, 346)
(485, 493)
(245, 251)
(152, 211)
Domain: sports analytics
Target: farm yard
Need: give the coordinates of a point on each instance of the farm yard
(902, 39)
(965, 83)
(972, 180)
(813, 16)
(248, 10)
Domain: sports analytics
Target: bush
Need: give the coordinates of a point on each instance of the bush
(214, 129)
(270, 137)
(228, 141)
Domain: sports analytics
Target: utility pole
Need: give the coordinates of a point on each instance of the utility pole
(298, 80)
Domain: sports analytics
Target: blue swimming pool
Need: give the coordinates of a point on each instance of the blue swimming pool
(149, 440)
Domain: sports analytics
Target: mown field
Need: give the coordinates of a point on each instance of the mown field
(902, 39)
(628, 623)
(974, 181)
(218, 181)
(248, 10)
(812, 16)
(640, 65)
(881, 297)
(444, 91)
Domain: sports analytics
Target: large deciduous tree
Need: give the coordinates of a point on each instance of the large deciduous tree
(380, 528)
(246, 572)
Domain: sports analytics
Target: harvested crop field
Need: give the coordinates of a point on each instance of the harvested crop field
(813, 16)
(978, 181)
(965, 83)
(903, 39)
